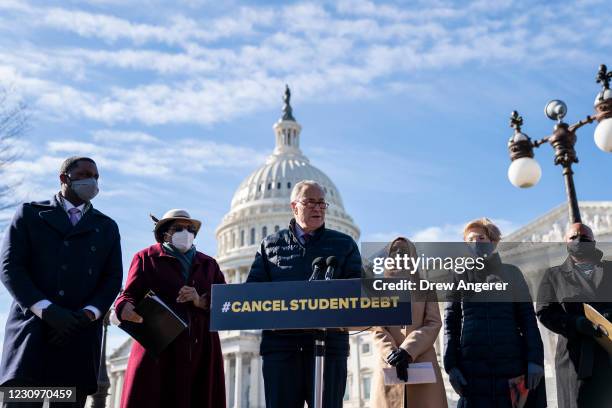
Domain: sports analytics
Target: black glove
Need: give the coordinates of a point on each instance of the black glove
(402, 371)
(585, 327)
(62, 321)
(397, 356)
(83, 322)
(83, 319)
(457, 380)
(400, 359)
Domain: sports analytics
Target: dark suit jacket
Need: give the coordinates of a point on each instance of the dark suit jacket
(44, 257)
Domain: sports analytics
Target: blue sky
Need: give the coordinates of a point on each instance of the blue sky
(405, 105)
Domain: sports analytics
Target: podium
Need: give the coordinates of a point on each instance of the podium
(318, 305)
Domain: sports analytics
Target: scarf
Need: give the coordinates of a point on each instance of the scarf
(186, 259)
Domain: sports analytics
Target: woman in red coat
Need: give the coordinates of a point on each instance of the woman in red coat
(189, 372)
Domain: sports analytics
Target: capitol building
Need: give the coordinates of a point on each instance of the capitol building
(260, 206)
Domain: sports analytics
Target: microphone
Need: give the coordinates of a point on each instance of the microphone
(317, 265)
(331, 263)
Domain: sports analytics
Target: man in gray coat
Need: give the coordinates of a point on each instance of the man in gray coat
(61, 263)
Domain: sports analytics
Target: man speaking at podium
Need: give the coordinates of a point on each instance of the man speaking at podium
(288, 255)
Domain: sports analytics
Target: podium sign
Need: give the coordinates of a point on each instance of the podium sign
(303, 305)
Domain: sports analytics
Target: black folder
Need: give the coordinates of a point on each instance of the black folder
(160, 325)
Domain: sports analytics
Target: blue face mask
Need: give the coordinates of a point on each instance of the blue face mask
(481, 249)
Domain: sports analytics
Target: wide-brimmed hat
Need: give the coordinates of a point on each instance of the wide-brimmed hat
(171, 216)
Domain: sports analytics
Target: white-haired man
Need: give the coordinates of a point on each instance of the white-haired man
(287, 255)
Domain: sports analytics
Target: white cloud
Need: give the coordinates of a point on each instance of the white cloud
(104, 26)
(381, 236)
(444, 233)
(16, 5)
(210, 68)
(177, 30)
(133, 154)
(438, 233)
(114, 136)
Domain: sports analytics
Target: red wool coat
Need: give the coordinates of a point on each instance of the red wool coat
(189, 373)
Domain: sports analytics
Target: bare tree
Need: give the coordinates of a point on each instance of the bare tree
(13, 124)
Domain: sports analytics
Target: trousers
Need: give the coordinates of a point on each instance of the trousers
(289, 379)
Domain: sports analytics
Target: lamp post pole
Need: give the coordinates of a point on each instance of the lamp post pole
(524, 171)
(99, 398)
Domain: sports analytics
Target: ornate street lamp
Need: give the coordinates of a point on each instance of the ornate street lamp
(524, 171)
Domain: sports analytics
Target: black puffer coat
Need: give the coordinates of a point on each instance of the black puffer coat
(492, 342)
(283, 258)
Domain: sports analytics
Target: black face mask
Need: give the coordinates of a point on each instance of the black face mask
(581, 249)
(481, 249)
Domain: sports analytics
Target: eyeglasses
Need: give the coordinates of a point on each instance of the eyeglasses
(190, 228)
(312, 204)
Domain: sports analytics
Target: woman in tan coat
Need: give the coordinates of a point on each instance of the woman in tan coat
(417, 340)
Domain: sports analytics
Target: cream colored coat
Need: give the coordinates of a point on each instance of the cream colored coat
(417, 339)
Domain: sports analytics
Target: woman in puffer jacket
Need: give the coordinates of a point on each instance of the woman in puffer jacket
(489, 343)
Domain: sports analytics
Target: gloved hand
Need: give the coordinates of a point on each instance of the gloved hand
(84, 317)
(585, 327)
(398, 355)
(399, 358)
(402, 370)
(457, 380)
(535, 372)
(62, 321)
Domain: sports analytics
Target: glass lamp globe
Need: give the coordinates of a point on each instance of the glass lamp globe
(524, 172)
(603, 135)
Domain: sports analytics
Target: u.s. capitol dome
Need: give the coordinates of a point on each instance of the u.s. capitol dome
(260, 205)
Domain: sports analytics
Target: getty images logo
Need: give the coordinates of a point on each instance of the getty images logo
(405, 262)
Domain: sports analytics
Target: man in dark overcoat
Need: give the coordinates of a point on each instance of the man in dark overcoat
(583, 367)
(61, 263)
(287, 255)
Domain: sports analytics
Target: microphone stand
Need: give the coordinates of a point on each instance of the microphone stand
(319, 351)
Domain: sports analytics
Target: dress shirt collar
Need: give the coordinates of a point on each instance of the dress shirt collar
(299, 232)
(67, 205)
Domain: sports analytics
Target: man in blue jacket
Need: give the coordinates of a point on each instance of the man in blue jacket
(61, 263)
(288, 355)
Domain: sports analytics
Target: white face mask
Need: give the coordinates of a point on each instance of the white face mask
(183, 240)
